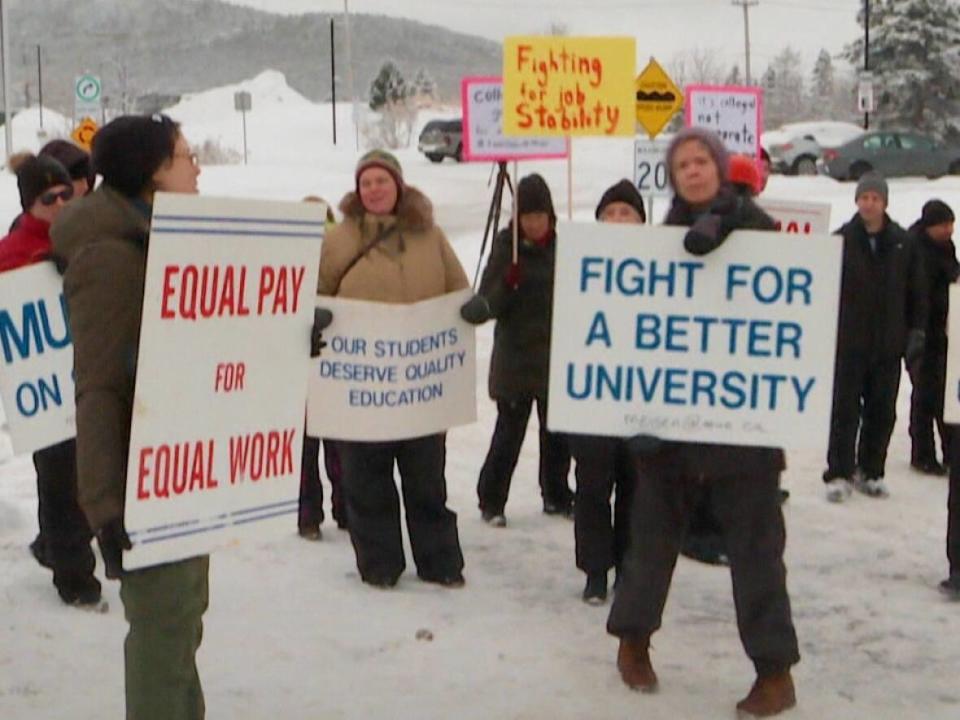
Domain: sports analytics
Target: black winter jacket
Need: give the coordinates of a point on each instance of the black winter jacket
(941, 269)
(692, 459)
(520, 362)
(883, 292)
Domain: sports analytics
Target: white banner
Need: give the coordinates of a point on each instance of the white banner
(801, 218)
(36, 358)
(951, 399)
(392, 372)
(221, 374)
(733, 347)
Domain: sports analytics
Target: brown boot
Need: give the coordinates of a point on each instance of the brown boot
(633, 662)
(770, 695)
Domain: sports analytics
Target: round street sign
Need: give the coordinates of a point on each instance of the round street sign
(87, 88)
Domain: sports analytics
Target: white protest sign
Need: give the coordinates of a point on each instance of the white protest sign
(650, 168)
(483, 138)
(734, 347)
(221, 374)
(36, 365)
(801, 218)
(951, 397)
(733, 112)
(392, 372)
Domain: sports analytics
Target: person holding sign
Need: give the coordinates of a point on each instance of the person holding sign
(388, 249)
(743, 482)
(604, 463)
(63, 542)
(932, 234)
(883, 313)
(519, 289)
(100, 242)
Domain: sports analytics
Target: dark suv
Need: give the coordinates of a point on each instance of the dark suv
(442, 138)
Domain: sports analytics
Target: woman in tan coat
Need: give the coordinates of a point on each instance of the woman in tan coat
(388, 249)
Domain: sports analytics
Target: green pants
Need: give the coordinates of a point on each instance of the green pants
(164, 606)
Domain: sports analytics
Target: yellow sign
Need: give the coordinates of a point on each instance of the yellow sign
(83, 133)
(555, 86)
(658, 99)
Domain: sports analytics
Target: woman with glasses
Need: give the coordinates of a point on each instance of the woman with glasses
(101, 243)
(63, 544)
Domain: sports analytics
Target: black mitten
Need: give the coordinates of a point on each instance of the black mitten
(113, 540)
(322, 318)
(644, 444)
(476, 310)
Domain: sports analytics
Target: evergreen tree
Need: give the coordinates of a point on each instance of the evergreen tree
(733, 78)
(822, 81)
(784, 89)
(913, 57)
(423, 85)
(388, 88)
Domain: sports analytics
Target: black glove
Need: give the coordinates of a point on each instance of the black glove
(322, 318)
(476, 310)
(113, 540)
(643, 444)
(916, 341)
(710, 230)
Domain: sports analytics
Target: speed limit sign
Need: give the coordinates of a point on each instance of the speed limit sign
(650, 168)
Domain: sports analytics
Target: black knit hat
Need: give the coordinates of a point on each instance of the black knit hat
(533, 196)
(127, 151)
(935, 212)
(36, 175)
(75, 159)
(625, 192)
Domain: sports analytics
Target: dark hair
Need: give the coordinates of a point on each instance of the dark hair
(75, 159)
(127, 151)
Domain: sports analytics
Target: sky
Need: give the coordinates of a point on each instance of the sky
(662, 27)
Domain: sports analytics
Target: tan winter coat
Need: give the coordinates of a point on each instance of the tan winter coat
(100, 240)
(413, 262)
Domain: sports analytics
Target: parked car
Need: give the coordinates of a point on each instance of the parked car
(892, 153)
(442, 138)
(795, 148)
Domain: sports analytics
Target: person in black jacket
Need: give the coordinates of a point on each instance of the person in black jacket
(743, 482)
(519, 291)
(604, 463)
(932, 234)
(882, 318)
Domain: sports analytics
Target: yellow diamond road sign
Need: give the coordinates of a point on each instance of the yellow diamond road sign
(658, 99)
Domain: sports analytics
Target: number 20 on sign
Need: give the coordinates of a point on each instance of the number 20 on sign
(650, 168)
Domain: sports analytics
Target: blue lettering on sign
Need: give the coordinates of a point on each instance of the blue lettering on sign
(34, 330)
(33, 397)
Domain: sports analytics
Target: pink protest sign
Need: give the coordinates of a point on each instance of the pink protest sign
(733, 112)
(483, 138)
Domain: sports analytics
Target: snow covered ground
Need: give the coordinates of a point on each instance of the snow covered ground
(292, 633)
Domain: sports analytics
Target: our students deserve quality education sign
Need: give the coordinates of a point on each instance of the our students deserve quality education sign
(733, 347)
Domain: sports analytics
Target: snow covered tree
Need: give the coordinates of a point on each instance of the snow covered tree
(733, 77)
(822, 85)
(784, 89)
(423, 87)
(914, 58)
(391, 97)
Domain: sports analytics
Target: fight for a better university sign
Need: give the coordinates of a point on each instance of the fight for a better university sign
(733, 347)
(392, 372)
(221, 374)
(36, 358)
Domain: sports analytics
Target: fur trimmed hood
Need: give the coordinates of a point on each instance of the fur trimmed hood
(414, 211)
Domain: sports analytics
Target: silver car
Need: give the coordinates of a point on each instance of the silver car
(892, 153)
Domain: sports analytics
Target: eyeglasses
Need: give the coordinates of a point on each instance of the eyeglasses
(191, 156)
(50, 197)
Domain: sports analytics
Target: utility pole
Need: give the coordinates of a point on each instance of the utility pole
(40, 85)
(5, 59)
(746, 5)
(353, 94)
(333, 81)
(866, 53)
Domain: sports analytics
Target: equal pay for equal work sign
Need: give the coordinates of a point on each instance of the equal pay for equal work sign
(733, 347)
(221, 374)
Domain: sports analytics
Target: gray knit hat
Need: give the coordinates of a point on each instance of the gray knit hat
(873, 182)
(709, 140)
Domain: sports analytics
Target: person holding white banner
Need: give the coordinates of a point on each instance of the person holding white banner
(388, 249)
(604, 464)
(743, 482)
(518, 285)
(101, 244)
(63, 541)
